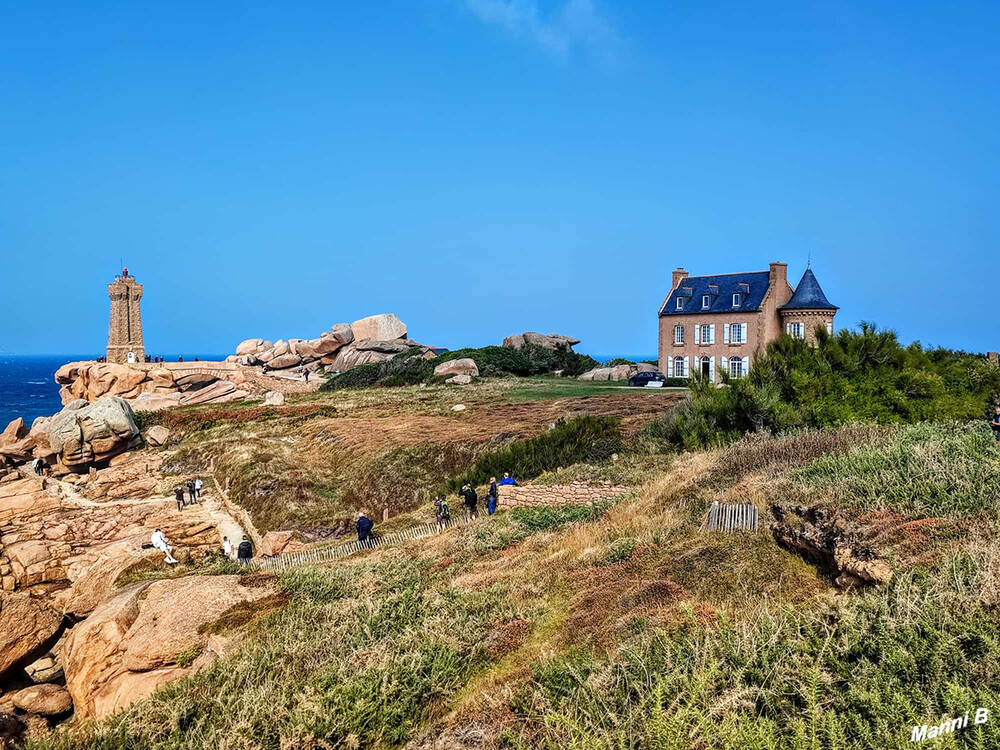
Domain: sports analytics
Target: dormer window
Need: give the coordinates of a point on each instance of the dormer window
(737, 298)
(706, 301)
(680, 303)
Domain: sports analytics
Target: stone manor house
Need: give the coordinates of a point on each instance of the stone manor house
(716, 324)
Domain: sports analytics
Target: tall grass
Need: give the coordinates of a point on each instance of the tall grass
(924, 470)
(858, 674)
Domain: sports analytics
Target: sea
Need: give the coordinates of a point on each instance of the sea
(28, 388)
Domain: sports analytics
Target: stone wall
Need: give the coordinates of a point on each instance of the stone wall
(575, 493)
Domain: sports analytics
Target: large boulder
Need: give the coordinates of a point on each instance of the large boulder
(350, 356)
(83, 433)
(91, 381)
(549, 340)
(44, 700)
(284, 361)
(157, 435)
(464, 366)
(316, 348)
(252, 346)
(618, 372)
(27, 626)
(341, 333)
(137, 641)
(16, 442)
(219, 392)
(384, 327)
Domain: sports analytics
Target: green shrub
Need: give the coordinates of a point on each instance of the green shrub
(849, 377)
(618, 361)
(551, 517)
(582, 439)
(407, 368)
(621, 549)
(530, 359)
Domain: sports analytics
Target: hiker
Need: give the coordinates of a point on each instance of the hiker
(507, 480)
(471, 499)
(995, 424)
(491, 497)
(364, 527)
(442, 513)
(160, 542)
(244, 552)
(197, 488)
(179, 494)
(37, 466)
(227, 548)
(191, 491)
(263, 369)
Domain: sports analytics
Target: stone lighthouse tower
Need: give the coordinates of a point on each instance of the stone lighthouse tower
(125, 327)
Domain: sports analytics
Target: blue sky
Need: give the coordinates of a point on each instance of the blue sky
(484, 167)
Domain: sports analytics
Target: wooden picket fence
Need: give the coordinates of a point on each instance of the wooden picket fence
(316, 555)
(729, 518)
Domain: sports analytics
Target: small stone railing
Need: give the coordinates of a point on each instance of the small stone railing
(575, 493)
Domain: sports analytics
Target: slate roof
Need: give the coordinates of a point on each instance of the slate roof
(808, 295)
(753, 285)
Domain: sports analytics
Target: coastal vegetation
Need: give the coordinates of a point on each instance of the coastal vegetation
(620, 625)
(848, 377)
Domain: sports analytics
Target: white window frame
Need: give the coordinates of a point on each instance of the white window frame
(796, 330)
(738, 333)
(680, 303)
(829, 327)
(678, 334)
(706, 301)
(706, 333)
(737, 299)
(679, 370)
(736, 367)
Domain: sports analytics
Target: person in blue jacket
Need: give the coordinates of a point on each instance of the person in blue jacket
(507, 480)
(364, 527)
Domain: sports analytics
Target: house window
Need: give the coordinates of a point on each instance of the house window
(706, 367)
(829, 327)
(680, 303)
(706, 334)
(736, 300)
(706, 301)
(736, 367)
(679, 367)
(678, 334)
(795, 330)
(738, 335)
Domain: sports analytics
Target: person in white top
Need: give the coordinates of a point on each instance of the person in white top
(160, 542)
(227, 547)
(197, 487)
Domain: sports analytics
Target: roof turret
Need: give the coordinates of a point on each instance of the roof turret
(808, 295)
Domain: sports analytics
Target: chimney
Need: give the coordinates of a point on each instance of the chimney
(778, 273)
(679, 275)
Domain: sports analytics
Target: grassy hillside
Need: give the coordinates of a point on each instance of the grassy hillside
(624, 627)
(311, 464)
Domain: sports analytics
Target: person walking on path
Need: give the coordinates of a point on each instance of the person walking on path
(191, 491)
(197, 488)
(442, 513)
(507, 480)
(471, 501)
(491, 497)
(159, 541)
(37, 466)
(179, 494)
(365, 526)
(227, 548)
(244, 552)
(995, 424)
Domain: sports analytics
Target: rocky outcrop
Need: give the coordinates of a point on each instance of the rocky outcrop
(157, 435)
(27, 626)
(464, 366)
(460, 379)
(149, 389)
(832, 540)
(548, 341)
(146, 635)
(83, 434)
(618, 372)
(16, 442)
(67, 555)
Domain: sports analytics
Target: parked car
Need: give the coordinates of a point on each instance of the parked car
(647, 380)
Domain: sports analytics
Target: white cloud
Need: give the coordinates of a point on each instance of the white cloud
(575, 24)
